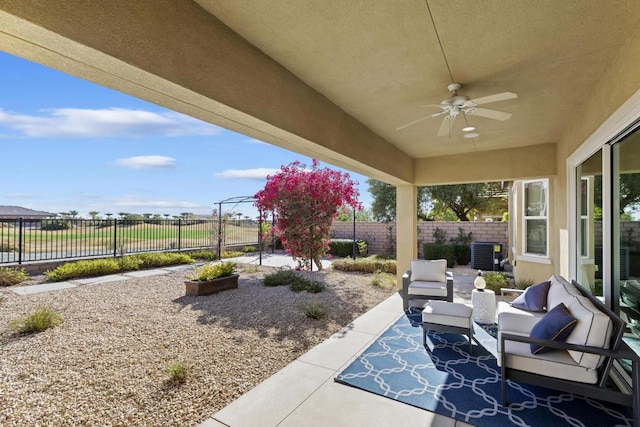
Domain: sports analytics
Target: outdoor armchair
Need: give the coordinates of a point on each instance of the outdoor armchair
(427, 280)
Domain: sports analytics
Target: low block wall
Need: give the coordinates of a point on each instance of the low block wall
(381, 236)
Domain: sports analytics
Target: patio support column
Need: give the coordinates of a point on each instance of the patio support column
(406, 228)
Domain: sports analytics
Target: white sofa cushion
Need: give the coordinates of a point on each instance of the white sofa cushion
(447, 313)
(560, 291)
(515, 321)
(594, 329)
(556, 364)
(429, 289)
(429, 270)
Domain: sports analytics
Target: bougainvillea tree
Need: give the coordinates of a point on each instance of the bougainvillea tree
(304, 203)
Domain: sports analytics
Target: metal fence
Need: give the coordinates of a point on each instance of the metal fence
(25, 240)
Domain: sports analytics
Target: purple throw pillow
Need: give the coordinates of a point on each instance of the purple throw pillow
(534, 297)
(556, 325)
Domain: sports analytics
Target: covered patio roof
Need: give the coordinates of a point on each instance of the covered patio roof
(335, 80)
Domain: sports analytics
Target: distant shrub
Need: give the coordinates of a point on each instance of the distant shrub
(247, 249)
(439, 251)
(314, 310)
(371, 264)
(440, 236)
(38, 321)
(12, 276)
(462, 254)
(344, 247)
(463, 238)
(7, 246)
(54, 224)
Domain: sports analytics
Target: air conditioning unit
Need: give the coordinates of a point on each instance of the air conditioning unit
(624, 262)
(486, 255)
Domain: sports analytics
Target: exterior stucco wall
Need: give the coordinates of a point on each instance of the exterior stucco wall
(616, 87)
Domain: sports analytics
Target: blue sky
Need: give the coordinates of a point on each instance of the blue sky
(68, 144)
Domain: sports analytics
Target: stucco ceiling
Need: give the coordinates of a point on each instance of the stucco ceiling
(381, 61)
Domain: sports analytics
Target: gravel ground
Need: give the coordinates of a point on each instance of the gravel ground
(105, 365)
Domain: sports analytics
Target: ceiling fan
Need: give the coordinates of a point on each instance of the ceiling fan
(456, 104)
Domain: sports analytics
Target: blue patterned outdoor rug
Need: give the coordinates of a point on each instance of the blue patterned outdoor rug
(443, 378)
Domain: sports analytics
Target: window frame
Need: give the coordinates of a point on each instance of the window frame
(526, 218)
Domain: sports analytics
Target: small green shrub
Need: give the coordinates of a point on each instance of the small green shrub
(524, 283)
(370, 264)
(38, 321)
(251, 269)
(204, 255)
(129, 263)
(383, 280)
(178, 372)
(214, 271)
(439, 251)
(161, 259)
(247, 249)
(231, 254)
(296, 282)
(495, 281)
(280, 278)
(303, 284)
(94, 267)
(314, 310)
(12, 276)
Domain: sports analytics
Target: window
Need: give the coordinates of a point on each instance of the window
(535, 217)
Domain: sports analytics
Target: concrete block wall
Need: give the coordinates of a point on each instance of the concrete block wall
(381, 236)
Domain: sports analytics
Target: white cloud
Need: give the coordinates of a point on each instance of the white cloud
(104, 123)
(258, 173)
(147, 162)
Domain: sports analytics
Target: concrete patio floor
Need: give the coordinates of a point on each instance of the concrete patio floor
(305, 394)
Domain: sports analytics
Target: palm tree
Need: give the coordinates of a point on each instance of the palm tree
(122, 215)
(73, 214)
(108, 215)
(93, 214)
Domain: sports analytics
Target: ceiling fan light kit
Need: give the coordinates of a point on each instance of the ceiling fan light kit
(455, 105)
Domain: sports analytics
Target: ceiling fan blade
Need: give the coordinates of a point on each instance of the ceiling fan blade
(445, 126)
(413, 122)
(491, 114)
(432, 105)
(494, 98)
(439, 114)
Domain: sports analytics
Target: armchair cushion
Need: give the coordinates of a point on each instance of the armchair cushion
(429, 270)
(556, 325)
(534, 298)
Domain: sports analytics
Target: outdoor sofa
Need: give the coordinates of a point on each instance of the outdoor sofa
(576, 356)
